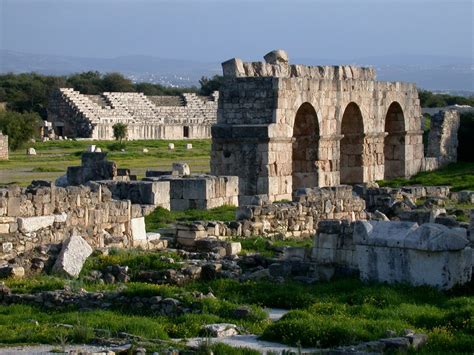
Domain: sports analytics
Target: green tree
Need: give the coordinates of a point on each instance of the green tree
(117, 82)
(208, 86)
(120, 131)
(20, 127)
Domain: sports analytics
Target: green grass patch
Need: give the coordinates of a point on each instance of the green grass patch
(54, 156)
(267, 246)
(161, 217)
(460, 176)
(136, 259)
(44, 169)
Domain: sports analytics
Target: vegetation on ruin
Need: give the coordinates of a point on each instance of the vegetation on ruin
(460, 176)
(53, 158)
(161, 217)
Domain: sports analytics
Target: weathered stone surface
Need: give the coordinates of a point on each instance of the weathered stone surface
(278, 56)
(31, 151)
(137, 229)
(281, 127)
(32, 224)
(3, 146)
(233, 248)
(74, 253)
(181, 169)
(430, 254)
(220, 330)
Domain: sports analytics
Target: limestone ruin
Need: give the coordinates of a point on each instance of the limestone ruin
(281, 127)
(76, 115)
(3, 146)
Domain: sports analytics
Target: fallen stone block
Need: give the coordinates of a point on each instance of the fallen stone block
(220, 330)
(74, 252)
(233, 248)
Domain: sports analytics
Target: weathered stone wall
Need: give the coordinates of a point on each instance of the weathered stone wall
(300, 218)
(270, 113)
(39, 215)
(199, 191)
(156, 193)
(430, 254)
(442, 140)
(3, 147)
(93, 116)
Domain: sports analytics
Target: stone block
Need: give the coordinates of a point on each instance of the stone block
(170, 146)
(33, 224)
(137, 229)
(181, 169)
(74, 253)
(233, 248)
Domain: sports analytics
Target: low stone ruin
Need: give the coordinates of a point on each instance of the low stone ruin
(442, 141)
(43, 214)
(403, 252)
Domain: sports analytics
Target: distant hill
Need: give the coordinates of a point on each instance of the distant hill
(438, 73)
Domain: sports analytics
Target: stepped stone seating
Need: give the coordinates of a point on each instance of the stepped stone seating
(156, 117)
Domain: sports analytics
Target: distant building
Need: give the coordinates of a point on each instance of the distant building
(76, 115)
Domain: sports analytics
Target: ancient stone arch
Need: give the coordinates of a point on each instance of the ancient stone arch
(305, 147)
(394, 143)
(352, 146)
(259, 108)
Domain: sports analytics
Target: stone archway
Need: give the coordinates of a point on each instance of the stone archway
(305, 147)
(394, 143)
(352, 146)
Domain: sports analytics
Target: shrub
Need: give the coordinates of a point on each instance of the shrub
(20, 127)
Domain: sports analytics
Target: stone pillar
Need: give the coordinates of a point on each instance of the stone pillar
(413, 152)
(3, 147)
(329, 158)
(373, 156)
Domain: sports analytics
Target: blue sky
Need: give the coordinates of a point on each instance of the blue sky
(218, 30)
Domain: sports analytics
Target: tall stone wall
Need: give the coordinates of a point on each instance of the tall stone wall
(442, 140)
(156, 117)
(39, 215)
(281, 127)
(3, 147)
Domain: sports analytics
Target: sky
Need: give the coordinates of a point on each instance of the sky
(205, 30)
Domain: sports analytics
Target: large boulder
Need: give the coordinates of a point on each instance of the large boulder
(74, 252)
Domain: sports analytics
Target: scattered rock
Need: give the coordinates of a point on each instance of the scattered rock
(220, 330)
(31, 151)
(74, 253)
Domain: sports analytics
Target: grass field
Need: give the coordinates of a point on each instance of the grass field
(458, 175)
(54, 157)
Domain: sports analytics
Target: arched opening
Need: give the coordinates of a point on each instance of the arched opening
(305, 147)
(394, 143)
(352, 145)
